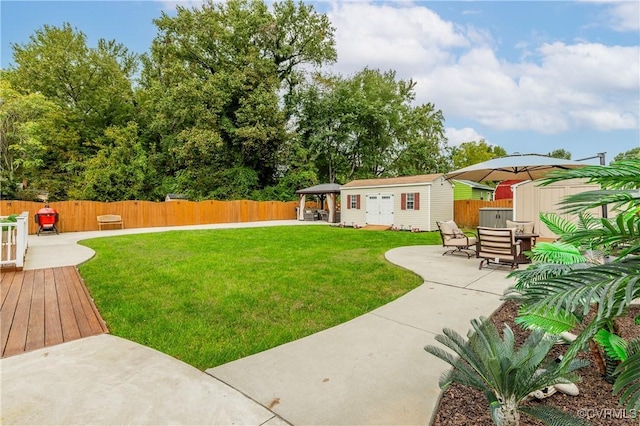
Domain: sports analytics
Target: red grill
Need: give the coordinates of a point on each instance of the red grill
(47, 219)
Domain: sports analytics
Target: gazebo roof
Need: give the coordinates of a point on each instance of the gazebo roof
(324, 188)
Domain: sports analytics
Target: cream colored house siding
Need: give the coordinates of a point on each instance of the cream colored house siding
(436, 201)
(351, 216)
(412, 218)
(441, 202)
(529, 200)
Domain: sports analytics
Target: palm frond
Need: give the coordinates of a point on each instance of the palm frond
(614, 345)
(558, 224)
(556, 252)
(621, 237)
(540, 272)
(551, 322)
(581, 342)
(460, 373)
(623, 174)
(553, 416)
(587, 200)
(628, 378)
(613, 286)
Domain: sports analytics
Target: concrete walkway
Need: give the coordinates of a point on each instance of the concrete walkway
(371, 370)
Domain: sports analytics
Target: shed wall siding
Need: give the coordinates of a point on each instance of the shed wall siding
(412, 218)
(349, 215)
(530, 200)
(441, 203)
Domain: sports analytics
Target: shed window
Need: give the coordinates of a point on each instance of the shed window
(353, 201)
(410, 201)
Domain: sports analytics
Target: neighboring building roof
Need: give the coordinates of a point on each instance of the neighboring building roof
(474, 184)
(396, 181)
(324, 188)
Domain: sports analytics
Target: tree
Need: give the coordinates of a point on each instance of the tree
(212, 84)
(91, 86)
(26, 122)
(119, 171)
(506, 375)
(469, 153)
(365, 126)
(633, 153)
(560, 153)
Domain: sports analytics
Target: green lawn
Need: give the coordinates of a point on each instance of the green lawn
(213, 296)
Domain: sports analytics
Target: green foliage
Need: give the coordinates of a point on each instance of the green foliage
(211, 88)
(556, 323)
(12, 218)
(365, 126)
(27, 122)
(628, 377)
(507, 375)
(633, 153)
(469, 153)
(609, 280)
(560, 153)
(614, 346)
(118, 171)
(557, 224)
(91, 89)
(559, 253)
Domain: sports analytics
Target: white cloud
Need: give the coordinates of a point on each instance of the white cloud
(555, 87)
(403, 38)
(625, 15)
(458, 136)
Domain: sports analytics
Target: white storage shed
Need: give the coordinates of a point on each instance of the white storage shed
(409, 202)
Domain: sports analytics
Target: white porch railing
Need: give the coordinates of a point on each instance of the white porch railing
(14, 241)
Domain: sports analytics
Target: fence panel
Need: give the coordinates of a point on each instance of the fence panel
(82, 215)
(466, 212)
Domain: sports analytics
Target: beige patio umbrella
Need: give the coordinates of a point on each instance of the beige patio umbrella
(517, 166)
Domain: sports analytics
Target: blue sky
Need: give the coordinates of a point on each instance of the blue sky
(527, 76)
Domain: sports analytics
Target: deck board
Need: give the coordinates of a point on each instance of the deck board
(45, 307)
(52, 323)
(11, 288)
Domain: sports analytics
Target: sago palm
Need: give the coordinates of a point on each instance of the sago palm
(506, 374)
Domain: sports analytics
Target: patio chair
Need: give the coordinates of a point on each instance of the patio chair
(310, 215)
(454, 238)
(498, 246)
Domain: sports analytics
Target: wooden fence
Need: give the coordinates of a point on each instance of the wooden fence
(465, 212)
(82, 215)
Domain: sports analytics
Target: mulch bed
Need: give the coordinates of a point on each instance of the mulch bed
(461, 406)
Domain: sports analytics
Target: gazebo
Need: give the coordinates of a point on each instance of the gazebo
(326, 191)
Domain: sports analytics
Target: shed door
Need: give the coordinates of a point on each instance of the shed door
(386, 209)
(379, 209)
(373, 208)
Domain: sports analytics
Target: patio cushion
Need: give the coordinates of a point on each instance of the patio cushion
(450, 230)
(521, 227)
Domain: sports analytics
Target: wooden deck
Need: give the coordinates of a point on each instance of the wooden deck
(45, 307)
